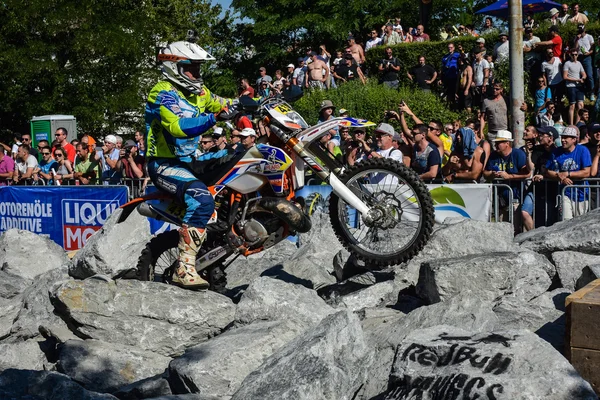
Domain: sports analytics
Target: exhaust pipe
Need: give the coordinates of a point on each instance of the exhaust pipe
(285, 210)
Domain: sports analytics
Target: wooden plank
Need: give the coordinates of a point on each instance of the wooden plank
(587, 363)
(581, 293)
(582, 317)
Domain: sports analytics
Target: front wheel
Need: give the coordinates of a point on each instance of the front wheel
(404, 209)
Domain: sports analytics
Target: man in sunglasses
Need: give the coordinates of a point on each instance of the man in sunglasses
(26, 139)
(61, 137)
(46, 164)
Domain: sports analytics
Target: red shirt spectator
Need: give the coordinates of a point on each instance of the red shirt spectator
(61, 137)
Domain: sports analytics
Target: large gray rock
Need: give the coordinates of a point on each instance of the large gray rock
(580, 234)
(36, 308)
(386, 331)
(105, 367)
(570, 264)
(12, 285)
(378, 295)
(114, 250)
(44, 385)
(524, 274)
(152, 316)
(152, 387)
(9, 309)
(28, 255)
(460, 238)
(547, 322)
(268, 299)
(22, 355)
(329, 361)
(242, 271)
(510, 365)
(218, 366)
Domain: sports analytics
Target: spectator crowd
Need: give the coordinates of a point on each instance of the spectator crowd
(561, 142)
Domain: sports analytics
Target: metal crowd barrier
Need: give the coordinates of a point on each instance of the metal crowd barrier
(548, 198)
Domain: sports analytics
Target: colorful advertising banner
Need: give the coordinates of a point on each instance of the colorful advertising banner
(457, 200)
(67, 215)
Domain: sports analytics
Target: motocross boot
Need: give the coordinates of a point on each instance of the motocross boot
(190, 241)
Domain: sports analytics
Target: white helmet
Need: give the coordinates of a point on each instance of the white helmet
(181, 57)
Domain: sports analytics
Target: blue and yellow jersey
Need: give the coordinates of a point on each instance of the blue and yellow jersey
(174, 122)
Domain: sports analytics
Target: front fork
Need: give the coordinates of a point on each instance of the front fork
(340, 189)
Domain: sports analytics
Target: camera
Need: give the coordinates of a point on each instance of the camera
(127, 151)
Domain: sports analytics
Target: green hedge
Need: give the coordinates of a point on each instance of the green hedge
(372, 100)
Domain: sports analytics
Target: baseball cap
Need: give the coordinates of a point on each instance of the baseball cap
(385, 129)
(594, 127)
(300, 59)
(110, 139)
(129, 143)
(548, 130)
(312, 53)
(350, 37)
(217, 131)
(480, 40)
(262, 69)
(248, 132)
(343, 111)
(503, 136)
(348, 56)
(397, 138)
(503, 34)
(570, 131)
(291, 66)
(553, 11)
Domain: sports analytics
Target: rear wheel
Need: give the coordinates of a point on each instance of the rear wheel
(404, 207)
(159, 260)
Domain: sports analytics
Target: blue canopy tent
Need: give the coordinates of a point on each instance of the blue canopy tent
(500, 8)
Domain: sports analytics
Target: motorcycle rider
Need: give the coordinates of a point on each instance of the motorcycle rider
(178, 111)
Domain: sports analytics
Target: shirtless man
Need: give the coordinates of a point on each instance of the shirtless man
(356, 50)
(316, 79)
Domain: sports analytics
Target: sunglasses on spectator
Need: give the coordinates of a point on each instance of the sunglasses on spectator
(45, 153)
(26, 140)
(206, 141)
(359, 133)
(432, 128)
(58, 155)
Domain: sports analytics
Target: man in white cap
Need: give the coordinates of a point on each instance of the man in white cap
(109, 160)
(220, 138)
(509, 165)
(248, 136)
(570, 163)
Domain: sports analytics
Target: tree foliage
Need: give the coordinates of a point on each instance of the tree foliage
(92, 59)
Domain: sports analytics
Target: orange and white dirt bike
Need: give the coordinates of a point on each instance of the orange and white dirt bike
(380, 210)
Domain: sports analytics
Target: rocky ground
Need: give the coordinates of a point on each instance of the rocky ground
(477, 314)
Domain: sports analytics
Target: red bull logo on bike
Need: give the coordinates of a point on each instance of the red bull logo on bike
(82, 218)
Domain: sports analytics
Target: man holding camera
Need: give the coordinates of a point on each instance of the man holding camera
(389, 67)
(131, 162)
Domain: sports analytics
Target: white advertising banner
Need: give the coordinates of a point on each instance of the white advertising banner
(467, 200)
